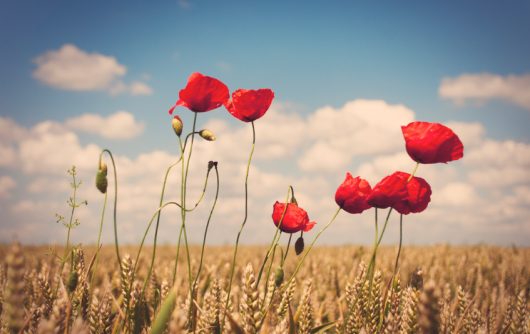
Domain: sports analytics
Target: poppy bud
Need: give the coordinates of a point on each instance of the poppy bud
(177, 125)
(101, 178)
(299, 245)
(103, 167)
(278, 277)
(207, 134)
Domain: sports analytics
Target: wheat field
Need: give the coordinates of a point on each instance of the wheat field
(439, 289)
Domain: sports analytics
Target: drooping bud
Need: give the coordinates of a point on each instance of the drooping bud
(101, 178)
(207, 134)
(278, 277)
(299, 245)
(103, 167)
(177, 125)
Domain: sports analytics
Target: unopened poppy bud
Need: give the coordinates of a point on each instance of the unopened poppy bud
(177, 125)
(299, 245)
(278, 277)
(101, 178)
(207, 134)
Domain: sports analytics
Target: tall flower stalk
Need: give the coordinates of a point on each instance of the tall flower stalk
(234, 256)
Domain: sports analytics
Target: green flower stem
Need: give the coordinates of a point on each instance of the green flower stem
(208, 223)
(389, 291)
(287, 249)
(413, 171)
(183, 202)
(175, 267)
(369, 272)
(116, 245)
(157, 212)
(270, 268)
(400, 243)
(232, 269)
(158, 220)
(371, 268)
(277, 235)
(299, 265)
(98, 246)
(266, 308)
(135, 267)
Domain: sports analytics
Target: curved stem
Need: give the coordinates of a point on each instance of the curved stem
(98, 247)
(208, 224)
(183, 148)
(149, 272)
(287, 249)
(116, 245)
(372, 258)
(400, 243)
(183, 202)
(312, 244)
(242, 224)
(269, 269)
(157, 212)
(201, 197)
(372, 261)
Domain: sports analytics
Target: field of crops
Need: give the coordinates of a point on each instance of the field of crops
(439, 289)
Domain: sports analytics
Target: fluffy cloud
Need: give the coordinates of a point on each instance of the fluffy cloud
(71, 68)
(466, 193)
(485, 86)
(120, 125)
(6, 185)
(359, 128)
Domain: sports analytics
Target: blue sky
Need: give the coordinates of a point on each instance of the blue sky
(312, 54)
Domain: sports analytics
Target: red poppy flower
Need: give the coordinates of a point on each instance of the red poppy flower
(418, 195)
(202, 93)
(430, 143)
(351, 195)
(388, 191)
(248, 105)
(294, 220)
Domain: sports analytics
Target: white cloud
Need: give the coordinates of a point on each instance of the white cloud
(359, 128)
(140, 88)
(456, 194)
(120, 125)
(71, 68)
(7, 156)
(7, 184)
(51, 149)
(499, 163)
(485, 86)
(466, 193)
